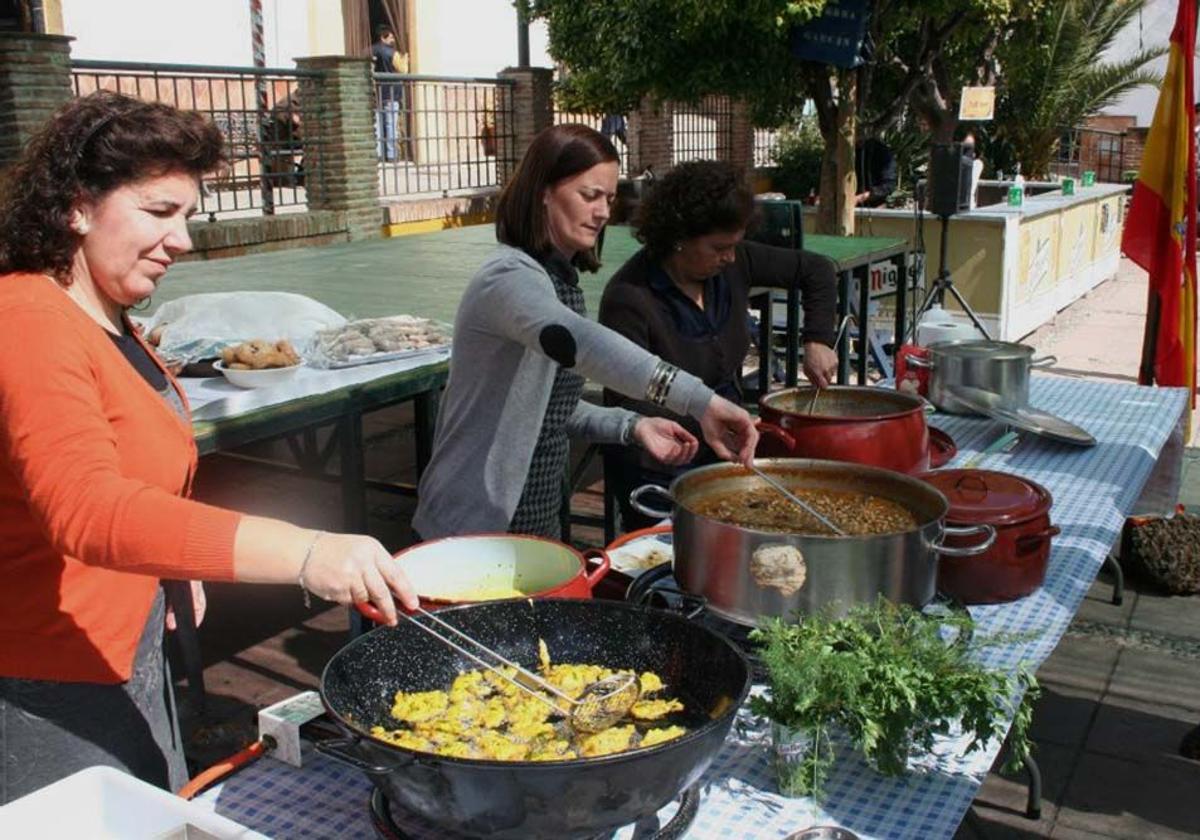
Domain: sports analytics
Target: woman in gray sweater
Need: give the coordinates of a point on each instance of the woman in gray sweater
(523, 348)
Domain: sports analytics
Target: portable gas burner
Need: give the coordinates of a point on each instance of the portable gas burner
(657, 587)
(385, 817)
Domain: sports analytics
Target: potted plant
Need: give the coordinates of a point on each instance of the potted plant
(889, 680)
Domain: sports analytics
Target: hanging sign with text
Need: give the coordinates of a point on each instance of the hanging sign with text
(836, 37)
(978, 104)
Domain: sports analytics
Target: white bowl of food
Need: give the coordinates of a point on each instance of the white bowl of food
(261, 378)
(259, 363)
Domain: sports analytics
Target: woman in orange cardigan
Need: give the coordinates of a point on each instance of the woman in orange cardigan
(97, 456)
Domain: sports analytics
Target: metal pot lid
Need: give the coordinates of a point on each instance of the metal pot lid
(1024, 417)
(978, 348)
(988, 497)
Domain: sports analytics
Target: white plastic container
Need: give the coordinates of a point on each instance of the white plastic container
(101, 803)
(939, 325)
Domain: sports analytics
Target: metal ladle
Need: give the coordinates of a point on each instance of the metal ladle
(812, 404)
(796, 500)
(598, 707)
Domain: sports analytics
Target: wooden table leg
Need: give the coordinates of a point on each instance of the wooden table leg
(766, 329)
(843, 309)
(425, 409)
(793, 337)
(864, 331)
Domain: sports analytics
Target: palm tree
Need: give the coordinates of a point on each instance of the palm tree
(1052, 77)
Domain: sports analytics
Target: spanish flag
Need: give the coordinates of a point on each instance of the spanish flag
(1160, 231)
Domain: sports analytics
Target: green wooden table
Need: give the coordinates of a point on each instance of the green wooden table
(853, 256)
(426, 274)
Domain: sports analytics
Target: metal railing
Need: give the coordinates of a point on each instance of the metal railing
(612, 126)
(259, 112)
(439, 135)
(1099, 150)
(703, 130)
(765, 142)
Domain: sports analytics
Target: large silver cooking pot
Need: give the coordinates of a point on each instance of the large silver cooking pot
(745, 574)
(1000, 367)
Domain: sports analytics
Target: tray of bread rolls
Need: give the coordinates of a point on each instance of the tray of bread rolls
(368, 340)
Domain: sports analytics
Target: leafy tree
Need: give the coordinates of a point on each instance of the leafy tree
(1053, 81)
(920, 55)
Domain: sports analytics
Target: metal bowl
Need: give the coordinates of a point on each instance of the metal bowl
(823, 832)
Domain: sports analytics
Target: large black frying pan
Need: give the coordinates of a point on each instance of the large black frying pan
(536, 799)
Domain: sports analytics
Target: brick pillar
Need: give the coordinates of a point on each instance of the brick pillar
(522, 110)
(35, 78)
(651, 133)
(341, 170)
(741, 149)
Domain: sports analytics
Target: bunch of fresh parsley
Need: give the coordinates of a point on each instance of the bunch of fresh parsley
(892, 679)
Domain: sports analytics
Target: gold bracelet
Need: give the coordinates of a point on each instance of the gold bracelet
(304, 565)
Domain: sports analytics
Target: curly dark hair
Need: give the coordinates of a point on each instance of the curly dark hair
(89, 147)
(693, 199)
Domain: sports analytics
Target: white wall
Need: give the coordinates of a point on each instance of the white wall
(207, 32)
(1154, 29)
(472, 37)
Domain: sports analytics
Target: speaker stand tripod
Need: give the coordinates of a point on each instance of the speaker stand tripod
(943, 283)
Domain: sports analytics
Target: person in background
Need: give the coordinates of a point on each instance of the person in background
(523, 347)
(385, 58)
(684, 297)
(97, 456)
(970, 150)
(613, 127)
(875, 172)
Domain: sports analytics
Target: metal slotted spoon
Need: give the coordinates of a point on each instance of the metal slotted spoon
(796, 500)
(598, 707)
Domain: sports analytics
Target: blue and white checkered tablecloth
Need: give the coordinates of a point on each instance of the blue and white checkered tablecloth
(1093, 491)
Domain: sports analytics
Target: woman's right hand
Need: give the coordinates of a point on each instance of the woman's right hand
(353, 569)
(729, 430)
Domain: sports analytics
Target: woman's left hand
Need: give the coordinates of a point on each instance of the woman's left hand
(666, 440)
(199, 605)
(820, 363)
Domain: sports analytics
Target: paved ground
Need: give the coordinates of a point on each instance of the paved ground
(1120, 691)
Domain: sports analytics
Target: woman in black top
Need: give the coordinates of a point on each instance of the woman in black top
(684, 297)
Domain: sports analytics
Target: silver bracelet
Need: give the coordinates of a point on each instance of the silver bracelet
(304, 565)
(660, 382)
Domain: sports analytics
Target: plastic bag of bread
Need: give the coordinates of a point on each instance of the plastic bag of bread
(196, 327)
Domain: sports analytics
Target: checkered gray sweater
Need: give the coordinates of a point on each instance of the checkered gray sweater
(512, 335)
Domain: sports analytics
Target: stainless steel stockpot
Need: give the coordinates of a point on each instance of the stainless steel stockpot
(1000, 367)
(745, 574)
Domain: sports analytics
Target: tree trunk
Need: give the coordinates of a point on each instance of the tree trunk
(847, 124)
(835, 214)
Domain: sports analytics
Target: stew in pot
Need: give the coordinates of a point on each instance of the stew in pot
(767, 509)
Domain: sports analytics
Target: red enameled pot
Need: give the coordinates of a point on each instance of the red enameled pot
(1019, 510)
(878, 427)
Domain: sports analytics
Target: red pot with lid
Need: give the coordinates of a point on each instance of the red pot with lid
(878, 427)
(1019, 510)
